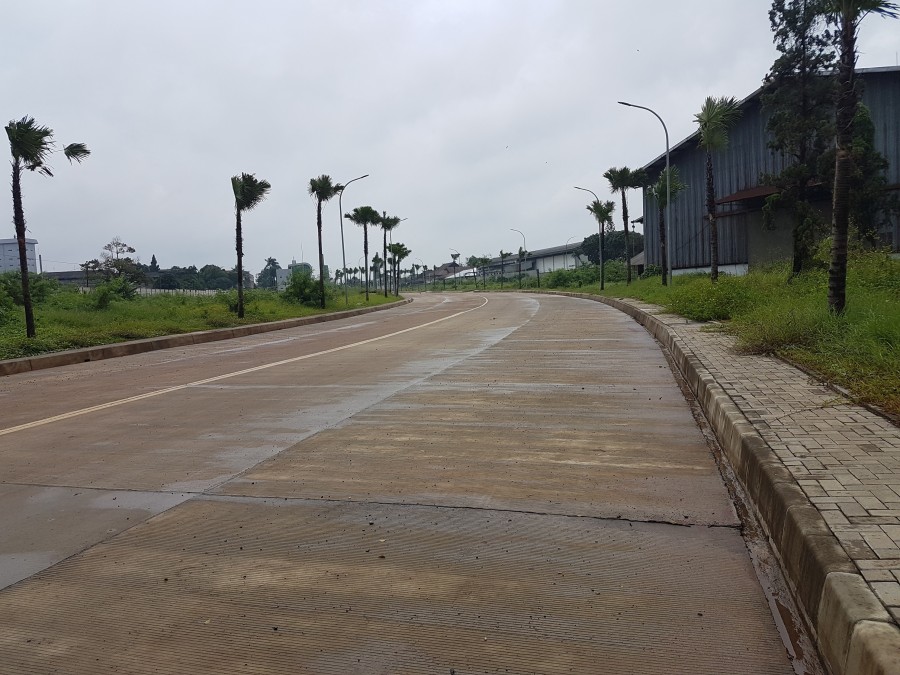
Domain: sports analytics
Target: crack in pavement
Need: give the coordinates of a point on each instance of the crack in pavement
(275, 500)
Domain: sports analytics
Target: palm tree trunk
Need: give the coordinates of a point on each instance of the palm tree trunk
(366, 257)
(502, 271)
(239, 248)
(713, 226)
(627, 247)
(385, 265)
(663, 259)
(321, 256)
(19, 222)
(846, 107)
(602, 271)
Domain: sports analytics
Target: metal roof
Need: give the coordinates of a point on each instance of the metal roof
(750, 98)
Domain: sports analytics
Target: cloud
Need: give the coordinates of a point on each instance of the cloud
(471, 117)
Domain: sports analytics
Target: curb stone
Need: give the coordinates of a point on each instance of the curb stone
(853, 630)
(100, 352)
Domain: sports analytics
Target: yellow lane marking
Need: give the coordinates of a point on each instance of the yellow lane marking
(168, 390)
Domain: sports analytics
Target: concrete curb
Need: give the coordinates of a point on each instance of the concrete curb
(854, 632)
(72, 356)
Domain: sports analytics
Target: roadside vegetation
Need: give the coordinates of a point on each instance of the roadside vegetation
(858, 349)
(115, 312)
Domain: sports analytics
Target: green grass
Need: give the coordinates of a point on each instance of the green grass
(69, 320)
(859, 350)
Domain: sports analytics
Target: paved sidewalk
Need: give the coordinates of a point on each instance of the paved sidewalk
(844, 458)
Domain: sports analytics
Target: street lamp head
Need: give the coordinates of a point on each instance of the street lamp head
(630, 105)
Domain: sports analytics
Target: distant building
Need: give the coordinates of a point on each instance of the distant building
(282, 276)
(9, 255)
(540, 261)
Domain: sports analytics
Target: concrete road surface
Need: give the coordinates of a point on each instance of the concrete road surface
(466, 484)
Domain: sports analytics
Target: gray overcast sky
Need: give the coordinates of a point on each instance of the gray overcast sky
(472, 116)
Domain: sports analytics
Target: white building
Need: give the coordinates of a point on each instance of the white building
(543, 260)
(9, 255)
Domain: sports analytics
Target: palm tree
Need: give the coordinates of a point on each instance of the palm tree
(399, 253)
(603, 213)
(322, 189)
(268, 276)
(248, 192)
(503, 256)
(622, 180)
(387, 223)
(364, 216)
(847, 15)
(482, 263)
(714, 119)
(31, 146)
(377, 262)
(658, 191)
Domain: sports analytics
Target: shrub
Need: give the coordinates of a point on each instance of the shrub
(614, 270)
(303, 289)
(41, 287)
(116, 289)
(701, 300)
(651, 271)
(230, 300)
(7, 306)
(101, 297)
(560, 279)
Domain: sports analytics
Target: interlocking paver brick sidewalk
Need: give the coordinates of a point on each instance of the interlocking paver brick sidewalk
(844, 457)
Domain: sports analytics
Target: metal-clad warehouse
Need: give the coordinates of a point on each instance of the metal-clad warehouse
(742, 239)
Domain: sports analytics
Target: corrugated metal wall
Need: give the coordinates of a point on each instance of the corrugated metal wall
(739, 167)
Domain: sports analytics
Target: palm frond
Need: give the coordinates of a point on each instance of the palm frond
(248, 191)
(29, 142)
(602, 211)
(676, 186)
(856, 10)
(715, 118)
(388, 223)
(76, 151)
(322, 188)
(618, 178)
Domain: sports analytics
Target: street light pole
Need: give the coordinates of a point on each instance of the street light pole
(600, 234)
(668, 188)
(343, 252)
(524, 249)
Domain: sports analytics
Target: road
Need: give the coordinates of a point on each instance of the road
(467, 484)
